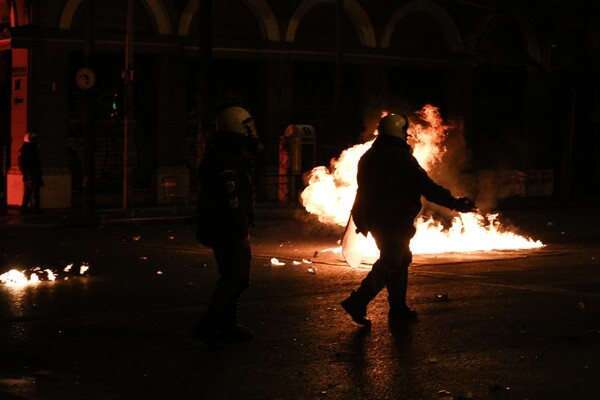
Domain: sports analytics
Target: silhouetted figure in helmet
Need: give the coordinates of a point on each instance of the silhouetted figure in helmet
(226, 211)
(388, 199)
(31, 169)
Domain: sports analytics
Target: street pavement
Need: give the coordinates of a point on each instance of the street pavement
(492, 325)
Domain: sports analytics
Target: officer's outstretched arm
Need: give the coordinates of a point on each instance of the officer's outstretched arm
(465, 205)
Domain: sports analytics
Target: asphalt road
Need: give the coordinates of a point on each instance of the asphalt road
(495, 325)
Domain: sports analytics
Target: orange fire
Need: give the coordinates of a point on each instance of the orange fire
(20, 278)
(330, 194)
(33, 276)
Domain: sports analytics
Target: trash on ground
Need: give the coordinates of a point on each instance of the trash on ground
(441, 296)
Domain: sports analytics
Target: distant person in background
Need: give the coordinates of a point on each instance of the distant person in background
(31, 169)
(388, 199)
(225, 214)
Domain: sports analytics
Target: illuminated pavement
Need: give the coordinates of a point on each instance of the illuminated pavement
(504, 325)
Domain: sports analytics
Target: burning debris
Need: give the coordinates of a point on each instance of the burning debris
(275, 261)
(330, 194)
(35, 275)
(82, 269)
(20, 278)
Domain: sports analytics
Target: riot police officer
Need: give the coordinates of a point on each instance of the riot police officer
(225, 213)
(388, 199)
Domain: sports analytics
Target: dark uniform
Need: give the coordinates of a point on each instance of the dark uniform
(226, 211)
(31, 168)
(390, 185)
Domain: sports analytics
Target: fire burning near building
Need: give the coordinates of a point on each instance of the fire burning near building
(330, 195)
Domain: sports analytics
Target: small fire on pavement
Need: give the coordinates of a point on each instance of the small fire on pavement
(35, 275)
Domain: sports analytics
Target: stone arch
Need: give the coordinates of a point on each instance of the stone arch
(525, 29)
(66, 18)
(156, 10)
(355, 13)
(438, 14)
(259, 8)
(533, 47)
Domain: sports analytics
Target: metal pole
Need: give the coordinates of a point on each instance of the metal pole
(567, 158)
(204, 72)
(129, 117)
(89, 144)
(338, 77)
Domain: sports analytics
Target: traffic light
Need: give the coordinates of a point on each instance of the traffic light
(115, 103)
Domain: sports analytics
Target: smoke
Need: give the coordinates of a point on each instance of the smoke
(454, 170)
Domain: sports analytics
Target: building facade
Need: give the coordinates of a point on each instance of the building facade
(523, 79)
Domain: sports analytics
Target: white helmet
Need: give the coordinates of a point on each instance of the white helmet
(393, 125)
(237, 120)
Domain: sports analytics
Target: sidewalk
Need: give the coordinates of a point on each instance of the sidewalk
(50, 218)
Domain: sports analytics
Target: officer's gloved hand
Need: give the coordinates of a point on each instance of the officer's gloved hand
(465, 205)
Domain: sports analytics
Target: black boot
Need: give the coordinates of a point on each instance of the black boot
(399, 312)
(229, 329)
(356, 307)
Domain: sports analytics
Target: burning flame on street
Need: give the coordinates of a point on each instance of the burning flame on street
(33, 276)
(330, 194)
